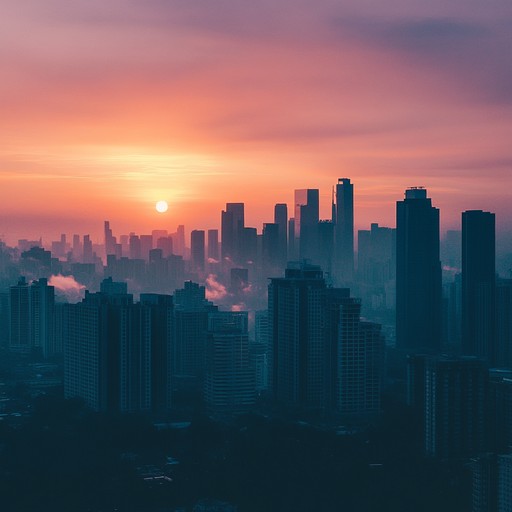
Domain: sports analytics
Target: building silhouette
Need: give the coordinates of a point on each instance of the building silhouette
(197, 250)
(306, 222)
(418, 274)
(232, 225)
(229, 381)
(32, 317)
(344, 231)
(117, 352)
(478, 285)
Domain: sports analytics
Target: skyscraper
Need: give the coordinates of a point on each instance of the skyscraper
(32, 317)
(232, 225)
(306, 221)
(213, 244)
(478, 284)
(281, 219)
(418, 273)
(297, 347)
(197, 251)
(344, 233)
(229, 380)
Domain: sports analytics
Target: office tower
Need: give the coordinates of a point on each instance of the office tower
(165, 244)
(31, 325)
(281, 219)
(344, 234)
(146, 244)
(77, 247)
(191, 322)
(456, 393)
(59, 248)
(135, 248)
(484, 483)
(297, 348)
(306, 222)
(87, 254)
(179, 240)
(232, 224)
(500, 410)
(19, 303)
(478, 284)
(108, 351)
(452, 319)
(197, 250)
(325, 249)
(42, 318)
(260, 350)
(504, 323)
(293, 253)
(248, 247)
(213, 244)
(229, 380)
(376, 262)
(157, 234)
(418, 274)
(162, 338)
(271, 249)
(355, 354)
(110, 241)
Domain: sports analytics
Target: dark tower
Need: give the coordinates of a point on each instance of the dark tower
(197, 249)
(344, 235)
(418, 273)
(281, 219)
(478, 284)
(306, 221)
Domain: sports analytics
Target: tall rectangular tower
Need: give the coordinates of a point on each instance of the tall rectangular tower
(344, 233)
(478, 284)
(418, 273)
(306, 221)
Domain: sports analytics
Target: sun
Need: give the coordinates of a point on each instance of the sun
(161, 206)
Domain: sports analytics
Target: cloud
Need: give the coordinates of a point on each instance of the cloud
(215, 291)
(68, 287)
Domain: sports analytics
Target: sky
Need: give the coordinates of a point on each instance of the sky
(109, 106)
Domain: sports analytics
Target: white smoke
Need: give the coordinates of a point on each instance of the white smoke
(68, 287)
(215, 291)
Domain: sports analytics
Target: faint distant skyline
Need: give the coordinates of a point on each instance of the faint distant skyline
(108, 107)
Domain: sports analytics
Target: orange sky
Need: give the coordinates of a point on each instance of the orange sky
(107, 107)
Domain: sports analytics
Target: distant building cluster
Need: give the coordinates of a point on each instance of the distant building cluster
(295, 315)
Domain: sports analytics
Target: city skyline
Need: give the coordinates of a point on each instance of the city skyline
(107, 110)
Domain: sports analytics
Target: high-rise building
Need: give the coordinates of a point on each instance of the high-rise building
(110, 240)
(376, 262)
(229, 381)
(116, 353)
(298, 348)
(271, 250)
(232, 225)
(306, 221)
(418, 274)
(281, 219)
(455, 407)
(344, 231)
(478, 284)
(355, 351)
(197, 250)
(32, 312)
(213, 244)
(191, 324)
